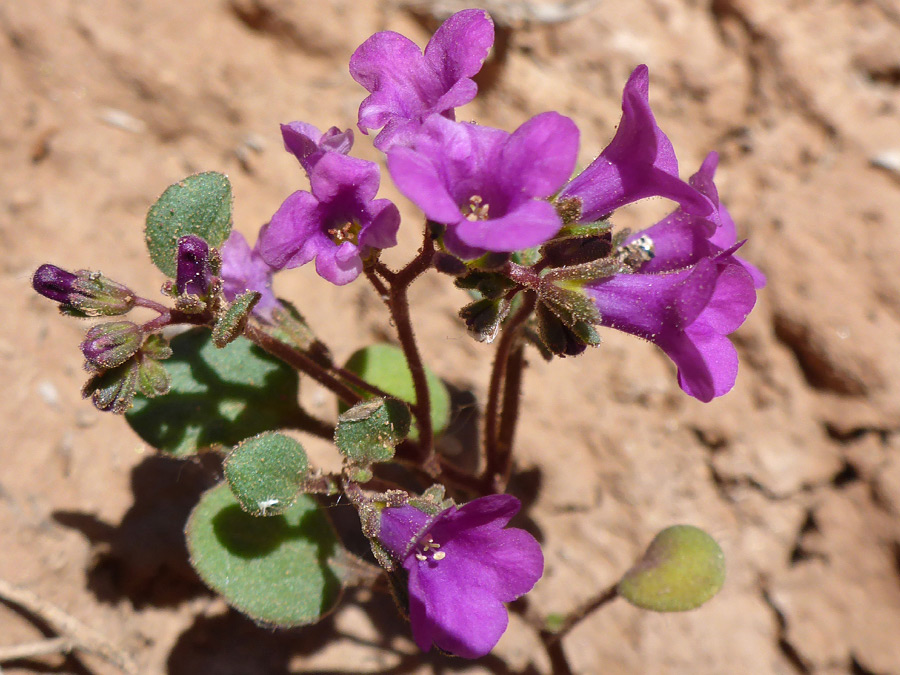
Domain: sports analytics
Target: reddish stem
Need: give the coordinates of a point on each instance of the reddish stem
(498, 457)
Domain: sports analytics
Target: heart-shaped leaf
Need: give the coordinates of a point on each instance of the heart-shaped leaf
(682, 568)
(200, 205)
(284, 570)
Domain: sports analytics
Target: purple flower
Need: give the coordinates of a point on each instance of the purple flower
(245, 270)
(681, 239)
(193, 274)
(688, 314)
(462, 567)
(487, 186)
(407, 86)
(639, 162)
(309, 145)
(338, 223)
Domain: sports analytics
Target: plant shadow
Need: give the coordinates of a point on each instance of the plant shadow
(144, 557)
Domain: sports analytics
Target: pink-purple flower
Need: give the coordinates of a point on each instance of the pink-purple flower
(462, 566)
(338, 223)
(639, 162)
(407, 86)
(309, 145)
(688, 314)
(244, 270)
(690, 295)
(489, 187)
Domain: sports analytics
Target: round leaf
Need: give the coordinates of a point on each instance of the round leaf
(218, 397)
(281, 570)
(266, 472)
(199, 204)
(682, 568)
(385, 366)
(368, 431)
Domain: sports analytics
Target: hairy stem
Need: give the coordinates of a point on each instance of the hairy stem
(301, 362)
(499, 455)
(398, 303)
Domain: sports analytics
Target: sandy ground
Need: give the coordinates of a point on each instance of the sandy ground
(796, 472)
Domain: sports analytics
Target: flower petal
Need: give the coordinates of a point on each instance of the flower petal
(459, 47)
(340, 265)
(530, 224)
(381, 232)
(293, 223)
(461, 611)
(420, 181)
(540, 155)
(335, 175)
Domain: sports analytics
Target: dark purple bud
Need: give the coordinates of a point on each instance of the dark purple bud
(53, 282)
(577, 250)
(111, 344)
(557, 337)
(83, 293)
(193, 276)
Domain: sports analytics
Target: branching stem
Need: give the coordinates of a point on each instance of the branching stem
(506, 378)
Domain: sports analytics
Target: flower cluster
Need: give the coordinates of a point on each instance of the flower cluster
(506, 218)
(497, 202)
(680, 284)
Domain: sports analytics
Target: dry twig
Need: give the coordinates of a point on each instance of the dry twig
(73, 635)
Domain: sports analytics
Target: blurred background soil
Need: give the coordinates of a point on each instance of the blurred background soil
(796, 472)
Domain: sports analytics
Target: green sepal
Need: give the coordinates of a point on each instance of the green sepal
(488, 284)
(153, 378)
(432, 501)
(385, 366)
(369, 431)
(113, 390)
(284, 571)
(682, 568)
(94, 294)
(218, 397)
(156, 347)
(578, 230)
(230, 323)
(483, 318)
(266, 473)
(200, 205)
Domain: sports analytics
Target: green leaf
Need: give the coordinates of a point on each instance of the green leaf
(266, 473)
(385, 366)
(682, 568)
(199, 204)
(368, 431)
(231, 322)
(218, 397)
(285, 570)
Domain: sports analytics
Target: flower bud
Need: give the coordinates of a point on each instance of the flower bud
(193, 275)
(111, 344)
(53, 282)
(84, 292)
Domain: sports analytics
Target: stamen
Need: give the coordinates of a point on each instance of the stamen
(348, 231)
(421, 557)
(477, 210)
(440, 555)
